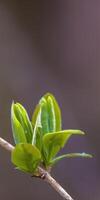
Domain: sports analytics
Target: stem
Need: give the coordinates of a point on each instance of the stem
(49, 179)
(6, 145)
(44, 175)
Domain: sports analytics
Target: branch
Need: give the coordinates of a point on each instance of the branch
(44, 175)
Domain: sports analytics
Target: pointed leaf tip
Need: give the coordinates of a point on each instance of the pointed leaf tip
(86, 155)
(78, 132)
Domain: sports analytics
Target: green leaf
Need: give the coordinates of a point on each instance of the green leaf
(40, 117)
(53, 112)
(40, 123)
(37, 133)
(70, 155)
(35, 114)
(17, 129)
(26, 157)
(50, 117)
(21, 125)
(44, 116)
(53, 142)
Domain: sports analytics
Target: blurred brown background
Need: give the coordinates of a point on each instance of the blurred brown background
(52, 46)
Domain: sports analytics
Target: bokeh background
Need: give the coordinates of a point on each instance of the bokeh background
(52, 46)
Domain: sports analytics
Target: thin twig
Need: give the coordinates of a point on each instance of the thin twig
(49, 179)
(44, 175)
(6, 145)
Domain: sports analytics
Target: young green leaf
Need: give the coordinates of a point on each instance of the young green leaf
(21, 125)
(40, 123)
(44, 116)
(40, 117)
(37, 133)
(53, 142)
(70, 155)
(17, 129)
(26, 157)
(53, 112)
(50, 114)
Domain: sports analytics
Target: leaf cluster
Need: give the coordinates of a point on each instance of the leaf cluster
(39, 140)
